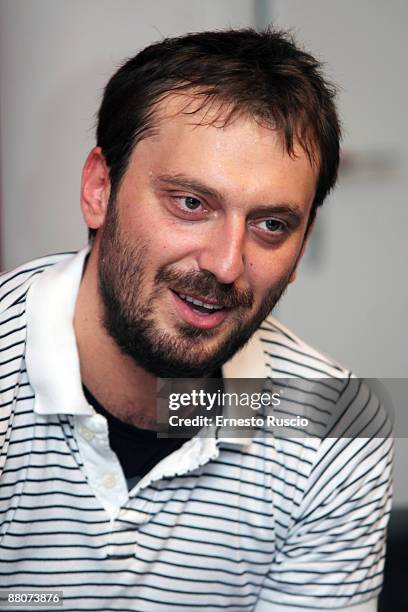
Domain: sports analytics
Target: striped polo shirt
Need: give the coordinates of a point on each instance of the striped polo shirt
(264, 523)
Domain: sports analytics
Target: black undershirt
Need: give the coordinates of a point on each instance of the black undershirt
(138, 450)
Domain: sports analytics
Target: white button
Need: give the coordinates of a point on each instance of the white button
(109, 481)
(87, 434)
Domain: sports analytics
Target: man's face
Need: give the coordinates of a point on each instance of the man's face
(212, 214)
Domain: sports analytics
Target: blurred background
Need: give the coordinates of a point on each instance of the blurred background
(351, 296)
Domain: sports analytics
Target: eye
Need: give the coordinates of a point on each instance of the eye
(188, 207)
(273, 226)
(190, 203)
(273, 231)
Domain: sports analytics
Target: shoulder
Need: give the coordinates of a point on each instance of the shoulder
(289, 356)
(14, 286)
(15, 283)
(343, 411)
(337, 403)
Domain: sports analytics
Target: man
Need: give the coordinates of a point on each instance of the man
(214, 151)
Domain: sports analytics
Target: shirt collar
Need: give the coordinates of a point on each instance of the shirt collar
(51, 353)
(52, 356)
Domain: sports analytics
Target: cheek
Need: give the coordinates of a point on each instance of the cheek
(173, 243)
(268, 269)
(147, 228)
(170, 246)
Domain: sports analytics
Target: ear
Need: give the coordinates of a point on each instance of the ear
(305, 241)
(95, 189)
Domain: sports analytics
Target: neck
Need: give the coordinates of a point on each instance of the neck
(124, 389)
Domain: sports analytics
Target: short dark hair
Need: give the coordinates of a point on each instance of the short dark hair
(264, 74)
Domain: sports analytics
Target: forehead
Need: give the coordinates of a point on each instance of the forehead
(239, 157)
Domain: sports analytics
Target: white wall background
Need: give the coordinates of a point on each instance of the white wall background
(351, 296)
(355, 296)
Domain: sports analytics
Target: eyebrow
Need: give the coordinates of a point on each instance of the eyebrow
(187, 183)
(291, 209)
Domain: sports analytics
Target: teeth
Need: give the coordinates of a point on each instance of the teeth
(199, 303)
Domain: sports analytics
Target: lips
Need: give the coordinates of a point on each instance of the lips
(199, 312)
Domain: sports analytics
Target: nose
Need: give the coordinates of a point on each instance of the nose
(223, 252)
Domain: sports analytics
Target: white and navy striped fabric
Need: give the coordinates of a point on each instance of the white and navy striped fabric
(268, 524)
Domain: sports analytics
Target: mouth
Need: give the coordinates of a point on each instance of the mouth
(199, 311)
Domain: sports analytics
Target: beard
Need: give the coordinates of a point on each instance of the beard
(129, 314)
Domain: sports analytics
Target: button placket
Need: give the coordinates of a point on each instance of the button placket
(109, 481)
(86, 434)
(104, 472)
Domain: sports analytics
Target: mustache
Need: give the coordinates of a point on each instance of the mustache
(204, 283)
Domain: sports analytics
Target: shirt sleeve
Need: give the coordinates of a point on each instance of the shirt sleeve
(266, 606)
(331, 555)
